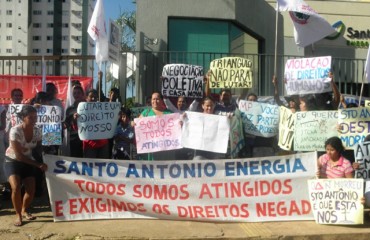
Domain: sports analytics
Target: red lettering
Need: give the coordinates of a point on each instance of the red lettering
(59, 208)
(72, 206)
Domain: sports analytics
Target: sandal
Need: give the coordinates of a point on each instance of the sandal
(29, 216)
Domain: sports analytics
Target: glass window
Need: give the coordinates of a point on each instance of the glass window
(205, 40)
(37, 25)
(36, 38)
(9, 12)
(8, 38)
(9, 25)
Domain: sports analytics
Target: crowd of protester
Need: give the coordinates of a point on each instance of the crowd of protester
(22, 151)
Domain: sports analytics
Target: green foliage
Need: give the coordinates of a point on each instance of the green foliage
(127, 21)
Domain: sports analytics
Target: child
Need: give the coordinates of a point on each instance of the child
(123, 137)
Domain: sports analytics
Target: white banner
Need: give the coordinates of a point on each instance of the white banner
(206, 132)
(337, 201)
(243, 190)
(158, 133)
(307, 75)
(260, 119)
(97, 120)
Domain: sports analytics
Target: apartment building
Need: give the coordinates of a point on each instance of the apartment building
(45, 28)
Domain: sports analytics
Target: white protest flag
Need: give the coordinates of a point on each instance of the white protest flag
(367, 66)
(98, 32)
(70, 99)
(309, 26)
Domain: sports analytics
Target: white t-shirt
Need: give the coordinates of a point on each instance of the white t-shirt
(17, 134)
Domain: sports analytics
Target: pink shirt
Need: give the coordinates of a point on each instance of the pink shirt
(338, 169)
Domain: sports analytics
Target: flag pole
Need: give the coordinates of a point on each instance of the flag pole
(366, 74)
(362, 89)
(276, 35)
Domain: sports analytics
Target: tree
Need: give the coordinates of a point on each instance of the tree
(127, 21)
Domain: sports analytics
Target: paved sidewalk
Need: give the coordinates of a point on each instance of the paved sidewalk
(44, 228)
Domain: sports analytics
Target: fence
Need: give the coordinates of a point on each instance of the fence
(141, 71)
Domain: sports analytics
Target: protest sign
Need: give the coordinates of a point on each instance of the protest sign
(243, 190)
(231, 72)
(367, 103)
(367, 194)
(312, 128)
(97, 120)
(11, 115)
(337, 201)
(353, 125)
(236, 134)
(49, 118)
(158, 133)
(136, 111)
(308, 75)
(286, 128)
(182, 80)
(362, 157)
(259, 119)
(206, 132)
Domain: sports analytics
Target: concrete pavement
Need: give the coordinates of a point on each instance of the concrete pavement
(44, 228)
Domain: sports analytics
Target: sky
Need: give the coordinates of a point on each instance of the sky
(113, 8)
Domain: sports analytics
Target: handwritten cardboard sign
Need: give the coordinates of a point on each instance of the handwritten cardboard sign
(286, 128)
(231, 72)
(236, 134)
(308, 75)
(12, 116)
(49, 118)
(337, 201)
(97, 120)
(312, 128)
(182, 80)
(362, 157)
(259, 119)
(354, 125)
(158, 133)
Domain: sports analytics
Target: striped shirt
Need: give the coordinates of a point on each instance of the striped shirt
(337, 169)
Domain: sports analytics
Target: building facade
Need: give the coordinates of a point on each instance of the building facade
(196, 32)
(45, 28)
